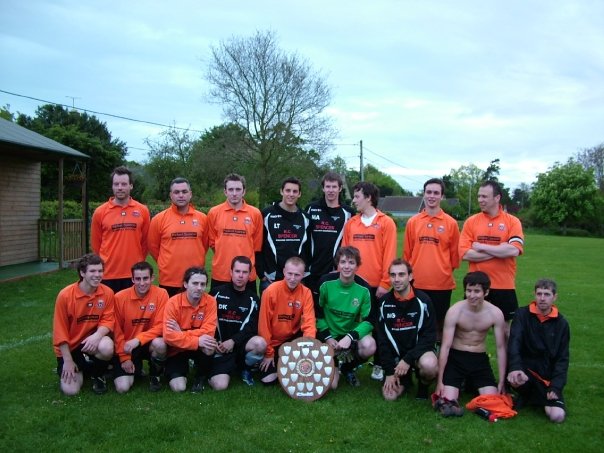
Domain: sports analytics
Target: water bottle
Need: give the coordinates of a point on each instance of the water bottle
(483, 413)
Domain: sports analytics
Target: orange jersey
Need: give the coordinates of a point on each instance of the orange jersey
(140, 318)
(283, 313)
(119, 236)
(233, 233)
(431, 246)
(177, 242)
(193, 321)
(503, 228)
(78, 315)
(377, 244)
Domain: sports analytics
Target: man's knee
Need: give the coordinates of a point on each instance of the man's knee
(367, 347)
(158, 347)
(391, 395)
(74, 387)
(178, 384)
(105, 349)
(123, 384)
(256, 345)
(555, 414)
(219, 382)
(428, 366)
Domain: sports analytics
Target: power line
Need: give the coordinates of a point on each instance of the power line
(102, 113)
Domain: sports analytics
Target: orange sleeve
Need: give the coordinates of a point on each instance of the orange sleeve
(389, 248)
(145, 229)
(108, 316)
(154, 236)
(118, 330)
(467, 236)
(309, 322)
(258, 234)
(60, 323)
(212, 218)
(264, 321)
(179, 339)
(516, 232)
(409, 240)
(96, 229)
(208, 327)
(454, 248)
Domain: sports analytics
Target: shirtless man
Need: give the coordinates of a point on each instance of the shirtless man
(463, 350)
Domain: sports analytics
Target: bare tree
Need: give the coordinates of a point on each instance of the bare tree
(275, 96)
(594, 158)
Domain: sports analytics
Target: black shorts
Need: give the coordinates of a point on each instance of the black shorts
(117, 284)
(441, 301)
(223, 364)
(534, 392)
(474, 367)
(139, 354)
(84, 362)
(505, 300)
(178, 364)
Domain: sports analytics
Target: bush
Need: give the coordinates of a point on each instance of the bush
(71, 209)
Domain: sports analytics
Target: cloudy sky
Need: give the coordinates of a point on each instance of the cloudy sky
(426, 85)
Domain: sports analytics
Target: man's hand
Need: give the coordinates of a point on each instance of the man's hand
(91, 343)
(70, 370)
(128, 366)
(517, 378)
(344, 343)
(333, 343)
(402, 368)
(173, 325)
(224, 347)
(207, 342)
(131, 345)
(266, 363)
(392, 384)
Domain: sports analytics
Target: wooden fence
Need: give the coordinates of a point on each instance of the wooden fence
(74, 239)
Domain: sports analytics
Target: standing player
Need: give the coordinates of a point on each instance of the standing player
(343, 315)
(189, 326)
(139, 316)
(286, 233)
(118, 231)
(239, 345)
(178, 237)
(286, 313)
(374, 234)
(235, 229)
(82, 322)
(491, 240)
(406, 335)
(431, 247)
(538, 352)
(463, 350)
(327, 218)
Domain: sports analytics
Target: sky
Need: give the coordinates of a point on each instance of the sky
(428, 86)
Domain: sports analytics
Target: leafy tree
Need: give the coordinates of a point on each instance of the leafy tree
(466, 180)
(594, 158)
(6, 114)
(275, 97)
(566, 196)
(521, 196)
(84, 133)
(386, 183)
(168, 158)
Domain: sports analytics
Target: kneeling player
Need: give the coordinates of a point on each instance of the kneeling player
(406, 334)
(538, 352)
(139, 315)
(82, 322)
(189, 326)
(463, 350)
(239, 345)
(342, 315)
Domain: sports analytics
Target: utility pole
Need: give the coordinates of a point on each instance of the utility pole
(362, 167)
(73, 98)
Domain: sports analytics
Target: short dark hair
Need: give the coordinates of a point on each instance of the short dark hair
(292, 180)
(477, 278)
(438, 181)
(347, 251)
(142, 266)
(243, 260)
(369, 190)
(192, 271)
(87, 260)
(179, 180)
(494, 185)
(401, 262)
(546, 283)
(332, 176)
(234, 177)
(121, 170)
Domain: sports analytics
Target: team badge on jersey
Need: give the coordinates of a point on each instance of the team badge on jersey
(297, 304)
(151, 307)
(501, 227)
(441, 229)
(355, 302)
(136, 214)
(200, 316)
(247, 221)
(195, 222)
(100, 303)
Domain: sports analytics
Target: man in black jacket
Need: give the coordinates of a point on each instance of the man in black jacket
(239, 345)
(538, 352)
(406, 334)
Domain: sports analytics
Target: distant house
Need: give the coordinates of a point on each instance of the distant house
(21, 154)
(404, 207)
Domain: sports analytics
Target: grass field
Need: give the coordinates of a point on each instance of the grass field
(35, 416)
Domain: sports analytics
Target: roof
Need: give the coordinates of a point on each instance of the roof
(20, 141)
(400, 204)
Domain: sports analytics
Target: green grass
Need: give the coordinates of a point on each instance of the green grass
(35, 416)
